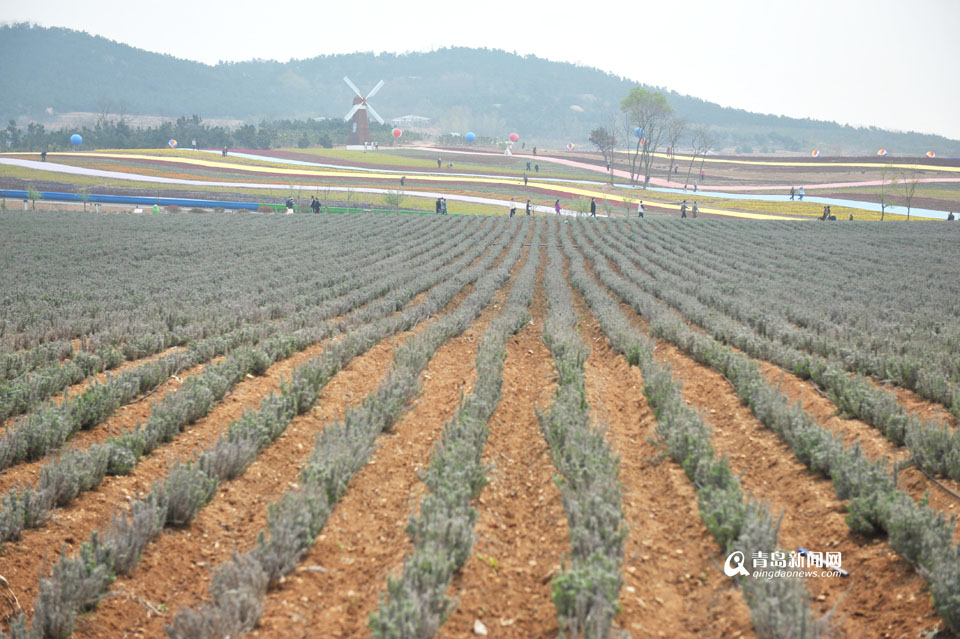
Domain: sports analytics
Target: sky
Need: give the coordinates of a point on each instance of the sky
(885, 63)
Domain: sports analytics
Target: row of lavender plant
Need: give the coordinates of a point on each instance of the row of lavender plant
(779, 607)
(79, 471)
(109, 279)
(415, 605)
(921, 535)
(897, 329)
(77, 582)
(116, 333)
(20, 394)
(934, 447)
(585, 594)
(343, 448)
(46, 430)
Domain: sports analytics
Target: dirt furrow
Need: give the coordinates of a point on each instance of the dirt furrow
(884, 596)
(176, 568)
(124, 418)
(521, 528)
(23, 560)
(339, 579)
(673, 585)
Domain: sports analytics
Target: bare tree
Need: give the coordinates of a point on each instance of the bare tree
(909, 181)
(702, 141)
(887, 170)
(605, 141)
(649, 111)
(676, 127)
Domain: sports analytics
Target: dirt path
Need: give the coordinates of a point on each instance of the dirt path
(673, 586)
(365, 539)
(521, 527)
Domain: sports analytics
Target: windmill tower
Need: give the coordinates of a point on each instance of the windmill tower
(357, 116)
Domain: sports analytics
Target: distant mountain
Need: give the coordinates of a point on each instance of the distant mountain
(491, 92)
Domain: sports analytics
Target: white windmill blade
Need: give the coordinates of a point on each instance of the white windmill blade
(375, 89)
(352, 86)
(356, 107)
(374, 114)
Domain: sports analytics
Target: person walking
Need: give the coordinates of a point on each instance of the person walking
(528, 207)
(524, 179)
(702, 174)
(791, 193)
(683, 209)
(593, 207)
(439, 163)
(800, 194)
(438, 206)
(403, 178)
(43, 156)
(513, 208)
(695, 209)
(224, 152)
(315, 205)
(640, 208)
(556, 207)
(443, 206)
(694, 186)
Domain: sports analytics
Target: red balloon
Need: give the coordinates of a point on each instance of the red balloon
(514, 137)
(397, 133)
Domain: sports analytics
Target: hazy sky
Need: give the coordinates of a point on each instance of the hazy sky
(889, 63)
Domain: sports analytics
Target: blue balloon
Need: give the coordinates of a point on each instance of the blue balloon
(76, 140)
(471, 136)
(638, 131)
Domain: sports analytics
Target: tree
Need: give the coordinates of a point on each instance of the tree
(649, 111)
(676, 127)
(887, 169)
(909, 182)
(702, 141)
(605, 141)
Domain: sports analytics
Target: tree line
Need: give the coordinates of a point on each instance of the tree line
(117, 133)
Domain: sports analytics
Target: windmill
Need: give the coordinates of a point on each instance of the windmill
(360, 126)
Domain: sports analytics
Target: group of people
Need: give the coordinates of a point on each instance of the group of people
(513, 208)
(441, 206)
(797, 192)
(683, 209)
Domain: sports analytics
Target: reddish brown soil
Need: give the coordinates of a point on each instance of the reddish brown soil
(673, 585)
(883, 597)
(176, 568)
(23, 560)
(100, 378)
(364, 540)
(124, 418)
(521, 529)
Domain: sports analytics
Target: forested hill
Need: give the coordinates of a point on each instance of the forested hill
(487, 91)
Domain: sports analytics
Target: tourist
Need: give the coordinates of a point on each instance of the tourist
(593, 207)
(513, 208)
(695, 209)
(640, 208)
(791, 193)
(556, 207)
(683, 209)
(528, 207)
(800, 194)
